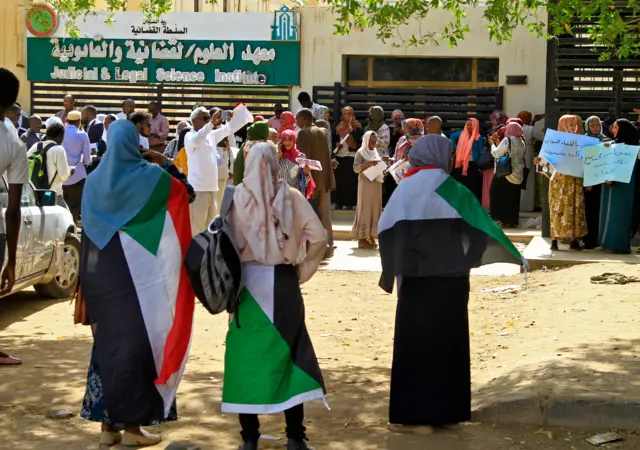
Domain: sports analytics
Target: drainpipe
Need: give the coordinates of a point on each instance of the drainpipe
(196, 5)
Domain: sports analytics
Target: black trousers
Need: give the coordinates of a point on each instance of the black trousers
(73, 198)
(295, 429)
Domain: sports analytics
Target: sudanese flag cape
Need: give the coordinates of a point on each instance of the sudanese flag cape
(270, 365)
(433, 226)
(141, 306)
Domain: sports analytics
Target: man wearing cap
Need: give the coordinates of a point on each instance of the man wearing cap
(78, 149)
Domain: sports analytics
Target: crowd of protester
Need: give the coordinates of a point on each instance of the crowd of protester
(437, 221)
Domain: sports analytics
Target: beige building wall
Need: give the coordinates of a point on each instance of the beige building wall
(323, 54)
(13, 43)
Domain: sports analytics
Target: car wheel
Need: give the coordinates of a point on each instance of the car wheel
(63, 284)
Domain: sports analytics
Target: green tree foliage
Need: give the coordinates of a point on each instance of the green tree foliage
(614, 29)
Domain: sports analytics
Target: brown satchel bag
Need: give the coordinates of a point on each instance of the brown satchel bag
(80, 311)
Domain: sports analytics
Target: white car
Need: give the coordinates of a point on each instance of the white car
(48, 255)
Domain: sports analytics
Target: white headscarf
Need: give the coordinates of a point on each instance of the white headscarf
(365, 151)
(263, 205)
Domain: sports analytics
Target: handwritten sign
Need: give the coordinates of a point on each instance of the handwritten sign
(564, 151)
(614, 163)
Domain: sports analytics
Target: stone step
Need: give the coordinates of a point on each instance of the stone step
(539, 255)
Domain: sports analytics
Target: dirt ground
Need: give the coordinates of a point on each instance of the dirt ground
(561, 334)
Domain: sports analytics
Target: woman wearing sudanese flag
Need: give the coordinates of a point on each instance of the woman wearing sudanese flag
(431, 234)
(136, 230)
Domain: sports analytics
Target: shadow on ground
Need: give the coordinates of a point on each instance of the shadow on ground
(609, 370)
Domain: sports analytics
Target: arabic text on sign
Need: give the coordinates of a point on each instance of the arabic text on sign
(172, 50)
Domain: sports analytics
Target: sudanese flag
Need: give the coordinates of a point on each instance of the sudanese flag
(434, 226)
(141, 305)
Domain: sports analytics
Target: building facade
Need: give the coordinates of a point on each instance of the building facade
(357, 60)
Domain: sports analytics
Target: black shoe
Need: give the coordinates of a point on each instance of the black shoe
(248, 446)
(295, 445)
(575, 245)
(554, 245)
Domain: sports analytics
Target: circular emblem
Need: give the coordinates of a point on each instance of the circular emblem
(42, 20)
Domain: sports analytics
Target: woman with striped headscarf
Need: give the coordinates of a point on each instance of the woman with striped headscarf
(498, 120)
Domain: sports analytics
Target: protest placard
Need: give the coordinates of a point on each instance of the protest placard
(312, 163)
(398, 169)
(564, 151)
(613, 163)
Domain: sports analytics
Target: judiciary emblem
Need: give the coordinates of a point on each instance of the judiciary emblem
(285, 26)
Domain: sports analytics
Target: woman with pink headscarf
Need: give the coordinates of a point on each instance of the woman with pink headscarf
(287, 122)
(468, 145)
(505, 190)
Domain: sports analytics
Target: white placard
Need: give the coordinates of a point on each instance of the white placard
(373, 172)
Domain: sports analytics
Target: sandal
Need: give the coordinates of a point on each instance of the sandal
(364, 244)
(554, 245)
(8, 360)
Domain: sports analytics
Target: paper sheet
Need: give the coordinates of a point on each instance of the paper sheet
(398, 169)
(312, 163)
(342, 141)
(374, 172)
(241, 117)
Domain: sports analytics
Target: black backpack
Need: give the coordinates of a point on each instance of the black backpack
(38, 167)
(213, 264)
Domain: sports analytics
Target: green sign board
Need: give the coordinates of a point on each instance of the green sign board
(139, 60)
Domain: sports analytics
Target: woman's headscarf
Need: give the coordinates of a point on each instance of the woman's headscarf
(587, 128)
(499, 116)
(627, 132)
(369, 155)
(323, 124)
(258, 119)
(259, 131)
(119, 188)
(397, 114)
(182, 136)
(580, 123)
(526, 117)
(294, 153)
(273, 135)
(263, 205)
(318, 112)
(515, 120)
(377, 118)
(513, 129)
(287, 122)
(607, 123)
(431, 150)
(563, 123)
(465, 144)
(414, 130)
